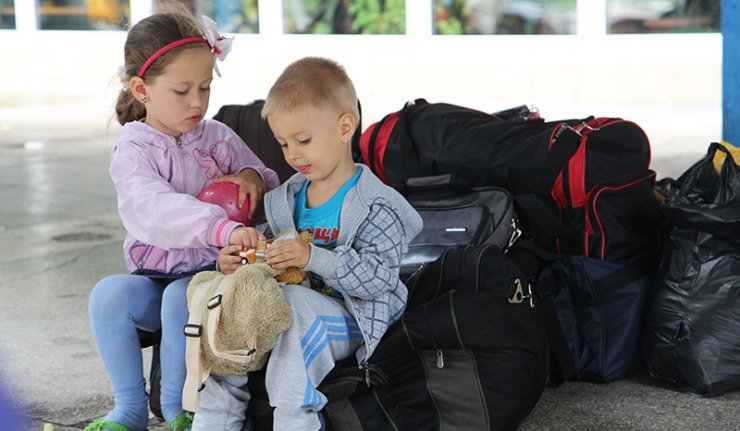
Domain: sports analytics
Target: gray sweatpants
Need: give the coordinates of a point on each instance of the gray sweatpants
(321, 333)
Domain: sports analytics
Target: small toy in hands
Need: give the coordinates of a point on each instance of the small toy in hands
(226, 195)
(254, 255)
(292, 275)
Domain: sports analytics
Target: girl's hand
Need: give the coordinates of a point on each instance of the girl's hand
(288, 252)
(246, 236)
(229, 259)
(250, 183)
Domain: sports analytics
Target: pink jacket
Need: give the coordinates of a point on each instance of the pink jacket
(157, 178)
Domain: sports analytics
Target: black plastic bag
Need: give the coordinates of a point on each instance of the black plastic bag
(691, 338)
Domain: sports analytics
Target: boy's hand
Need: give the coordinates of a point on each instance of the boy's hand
(229, 259)
(288, 252)
(246, 236)
(250, 183)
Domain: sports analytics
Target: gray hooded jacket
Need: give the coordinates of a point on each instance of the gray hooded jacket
(376, 226)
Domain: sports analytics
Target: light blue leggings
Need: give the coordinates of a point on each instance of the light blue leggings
(118, 305)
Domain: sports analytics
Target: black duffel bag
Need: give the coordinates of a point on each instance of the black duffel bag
(582, 186)
(469, 353)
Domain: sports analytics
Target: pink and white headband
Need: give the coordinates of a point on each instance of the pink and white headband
(220, 45)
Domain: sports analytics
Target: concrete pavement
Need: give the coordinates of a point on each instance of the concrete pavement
(60, 233)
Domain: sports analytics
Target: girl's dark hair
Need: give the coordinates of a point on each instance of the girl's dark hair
(144, 39)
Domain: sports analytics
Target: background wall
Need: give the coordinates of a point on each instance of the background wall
(669, 83)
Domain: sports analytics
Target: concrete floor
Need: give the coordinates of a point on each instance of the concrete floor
(60, 233)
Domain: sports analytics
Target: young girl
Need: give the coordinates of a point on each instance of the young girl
(165, 154)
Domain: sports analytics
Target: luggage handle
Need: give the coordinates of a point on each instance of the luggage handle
(416, 186)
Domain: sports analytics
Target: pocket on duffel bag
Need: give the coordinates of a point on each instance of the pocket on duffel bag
(622, 218)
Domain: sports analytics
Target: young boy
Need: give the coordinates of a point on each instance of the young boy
(361, 229)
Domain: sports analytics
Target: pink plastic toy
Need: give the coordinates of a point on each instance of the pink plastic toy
(226, 195)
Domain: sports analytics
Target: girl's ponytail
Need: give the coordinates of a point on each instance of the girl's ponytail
(128, 108)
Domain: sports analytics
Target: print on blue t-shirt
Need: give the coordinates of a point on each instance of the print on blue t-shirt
(322, 222)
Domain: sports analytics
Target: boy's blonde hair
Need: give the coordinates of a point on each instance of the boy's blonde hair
(313, 81)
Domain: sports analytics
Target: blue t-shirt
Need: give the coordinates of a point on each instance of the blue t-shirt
(322, 222)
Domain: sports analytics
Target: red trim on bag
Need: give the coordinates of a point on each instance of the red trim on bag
(552, 135)
(381, 142)
(577, 175)
(596, 214)
(557, 193)
(383, 139)
(365, 143)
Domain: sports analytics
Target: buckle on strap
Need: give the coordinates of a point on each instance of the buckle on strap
(518, 296)
(192, 330)
(214, 302)
(584, 128)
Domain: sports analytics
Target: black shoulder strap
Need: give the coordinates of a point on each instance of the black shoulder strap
(564, 144)
(406, 144)
(542, 215)
(562, 365)
(640, 267)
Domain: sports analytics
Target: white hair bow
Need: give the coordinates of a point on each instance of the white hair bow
(220, 45)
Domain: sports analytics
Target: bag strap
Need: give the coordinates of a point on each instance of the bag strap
(197, 371)
(638, 268)
(564, 143)
(240, 356)
(406, 145)
(562, 366)
(542, 215)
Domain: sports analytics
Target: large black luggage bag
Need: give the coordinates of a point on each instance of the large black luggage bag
(582, 186)
(470, 353)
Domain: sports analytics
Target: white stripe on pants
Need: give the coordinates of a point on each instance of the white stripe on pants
(322, 332)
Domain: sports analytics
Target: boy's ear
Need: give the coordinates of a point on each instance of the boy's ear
(138, 88)
(347, 126)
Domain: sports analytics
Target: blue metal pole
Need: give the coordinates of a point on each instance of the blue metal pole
(731, 71)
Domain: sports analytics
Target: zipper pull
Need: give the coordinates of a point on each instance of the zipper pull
(366, 368)
(179, 146)
(440, 359)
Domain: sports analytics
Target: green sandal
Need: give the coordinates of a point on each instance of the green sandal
(101, 425)
(183, 422)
